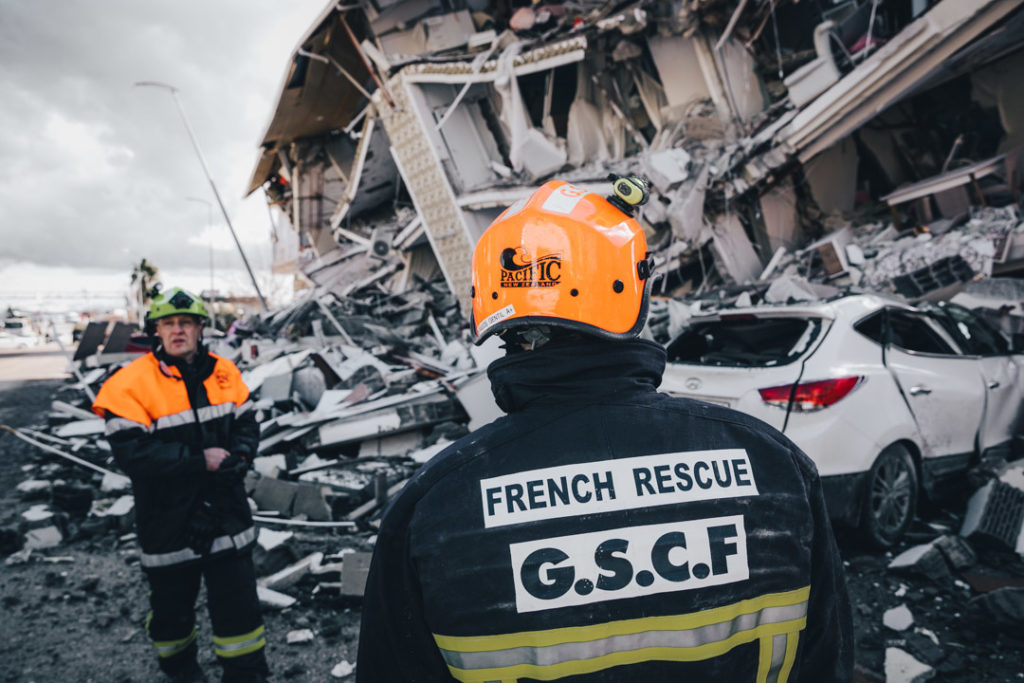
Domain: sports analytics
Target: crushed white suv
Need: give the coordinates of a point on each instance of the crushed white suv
(887, 399)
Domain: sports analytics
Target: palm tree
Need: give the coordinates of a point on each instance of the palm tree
(144, 285)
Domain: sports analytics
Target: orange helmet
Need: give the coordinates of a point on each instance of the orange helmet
(564, 257)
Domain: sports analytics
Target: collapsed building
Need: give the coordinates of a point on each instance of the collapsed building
(402, 129)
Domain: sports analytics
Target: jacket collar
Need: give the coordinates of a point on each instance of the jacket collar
(575, 373)
(201, 365)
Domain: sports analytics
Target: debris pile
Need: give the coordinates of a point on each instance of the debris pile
(766, 130)
(354, 388)
(951, 602)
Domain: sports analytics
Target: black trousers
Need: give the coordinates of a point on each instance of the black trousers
(238, 633)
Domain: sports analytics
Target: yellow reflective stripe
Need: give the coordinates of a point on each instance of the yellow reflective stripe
(556, 653)
(235, 640)
(675, 622)
(792, 640)
(236, 646)
(666, 654)
(169, 648)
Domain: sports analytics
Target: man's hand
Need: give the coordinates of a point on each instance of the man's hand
(214, 457)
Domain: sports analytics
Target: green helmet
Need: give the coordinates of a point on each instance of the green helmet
(175, 301)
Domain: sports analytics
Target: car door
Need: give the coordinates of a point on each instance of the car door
(942, 387)
(1001, 372)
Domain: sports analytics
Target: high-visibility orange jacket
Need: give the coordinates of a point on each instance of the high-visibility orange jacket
(161, 414)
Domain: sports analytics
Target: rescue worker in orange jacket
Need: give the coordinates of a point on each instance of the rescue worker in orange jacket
(180, 424)
(600, 531)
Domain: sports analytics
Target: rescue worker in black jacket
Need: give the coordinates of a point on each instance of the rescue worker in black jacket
(181, 426)
(600, 531)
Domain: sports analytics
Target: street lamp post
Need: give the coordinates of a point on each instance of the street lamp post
(206, 171)
(209, 226)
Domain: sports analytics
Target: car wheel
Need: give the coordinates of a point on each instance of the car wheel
(890, 497)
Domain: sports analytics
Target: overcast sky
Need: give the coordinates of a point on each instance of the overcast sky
(96, 173)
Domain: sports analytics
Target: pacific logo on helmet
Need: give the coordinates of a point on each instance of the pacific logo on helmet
(519, 270)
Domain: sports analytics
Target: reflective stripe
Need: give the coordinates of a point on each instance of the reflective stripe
(236, 646)
(243, 409)
(176, 420)
(213, 412)
(547, 655)
(777, 656)
(120, 424)
(188, 417)
(169, 648)
(239, 540)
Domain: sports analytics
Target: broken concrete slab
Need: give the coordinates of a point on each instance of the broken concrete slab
(343, 669)
(275, 494)
(34, 489)
(272, 599)
(902, 667)
(290, 575)
(268, 539)
(957, 551)
(898, 618)
(396, 445)
(43, 537)
(115, 483)
(270, 465)
(37, 515)
(996, 510)
(310, 503)
(1001, 608)
(925, 560)
(354, 572)
(89, 427)
(303, 636)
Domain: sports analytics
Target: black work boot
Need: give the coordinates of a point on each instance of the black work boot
(192, 673)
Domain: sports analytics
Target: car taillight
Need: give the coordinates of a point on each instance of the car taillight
(810, 396)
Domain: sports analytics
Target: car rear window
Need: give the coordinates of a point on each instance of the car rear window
(745, 341)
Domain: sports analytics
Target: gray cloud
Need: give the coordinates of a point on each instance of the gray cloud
(95, 172)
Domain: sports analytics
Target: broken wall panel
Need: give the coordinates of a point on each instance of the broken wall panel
(832, 177)
(781, 218)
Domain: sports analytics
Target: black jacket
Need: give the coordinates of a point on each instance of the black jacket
(161, 414)
(605, 532)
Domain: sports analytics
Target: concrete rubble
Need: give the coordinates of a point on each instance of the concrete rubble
(793, 153)
(780, 142)
(354, 389)
(902, 667)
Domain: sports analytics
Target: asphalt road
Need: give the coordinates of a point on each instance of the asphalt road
(41, 362)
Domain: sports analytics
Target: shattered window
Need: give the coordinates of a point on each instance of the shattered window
(911, 332)
(745, 341)
(973, 333)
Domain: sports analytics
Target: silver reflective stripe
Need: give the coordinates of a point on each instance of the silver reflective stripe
(688, 638)
(243, 409)
(169, 648)
(239, 645)
(778, 645)
(774, 620)
(213, 412)
(120, 424)
(176, 420)
(239, 540)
